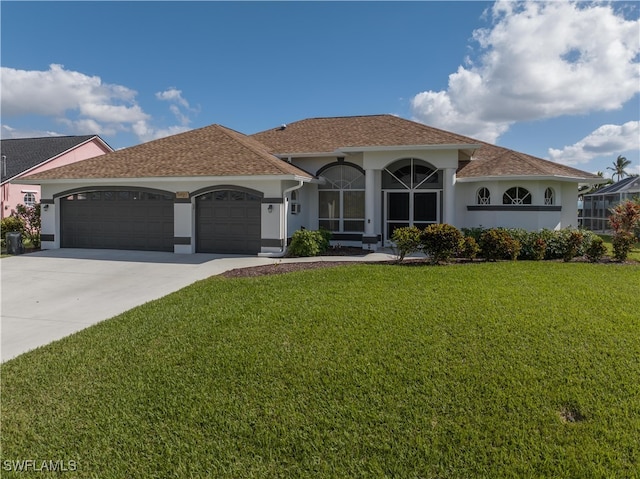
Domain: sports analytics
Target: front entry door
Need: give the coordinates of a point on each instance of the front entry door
(410, 208)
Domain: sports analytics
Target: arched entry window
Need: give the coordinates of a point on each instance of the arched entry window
(341, 198)
(412, 194)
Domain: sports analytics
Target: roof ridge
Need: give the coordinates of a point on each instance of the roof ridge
(246, 141)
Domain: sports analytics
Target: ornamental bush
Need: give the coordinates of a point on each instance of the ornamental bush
(497, 243)
(406, 240)
(441, 242)
(596, 249)
(308, 243)
(622, 243)
(572, 244)
(470, 248)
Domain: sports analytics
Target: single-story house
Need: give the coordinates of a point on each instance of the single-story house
(24, 156)
(216, 190)
(596, 205)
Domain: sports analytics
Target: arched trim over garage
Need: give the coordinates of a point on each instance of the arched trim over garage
(117, 217)
(228, 219)
(86, 189)
(209, 189)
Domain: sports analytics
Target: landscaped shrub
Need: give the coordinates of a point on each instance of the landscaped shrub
(533, 246)
(497, 243)
(475, 232)
(624, 220)
(622, 243)
(573, 242)
(406, 240)
(30, 217)
(9, 224)
(307, 243)
(596, 249)
(441, 242)
(470, 248)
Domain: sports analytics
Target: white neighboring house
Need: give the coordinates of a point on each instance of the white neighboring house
(596, 205)
(217, 190)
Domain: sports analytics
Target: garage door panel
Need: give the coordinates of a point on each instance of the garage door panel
(117, 220)
(228, 221)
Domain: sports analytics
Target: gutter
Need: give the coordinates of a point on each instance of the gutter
(283, 224)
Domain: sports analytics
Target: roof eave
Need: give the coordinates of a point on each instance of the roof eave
(449, 146)
(572, 179)
(163, 179)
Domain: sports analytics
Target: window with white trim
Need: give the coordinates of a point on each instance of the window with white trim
(549, 197)
(29, 199)
(483, 197)
(341, 199)
(516, 196)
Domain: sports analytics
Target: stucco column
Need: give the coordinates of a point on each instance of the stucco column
(449, 207)
(48, 237)
(370, 238)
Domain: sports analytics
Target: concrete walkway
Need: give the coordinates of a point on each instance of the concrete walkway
(50, 294)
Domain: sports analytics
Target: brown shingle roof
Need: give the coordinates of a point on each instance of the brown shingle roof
(316, 135)
(219, 151)
(210, 151)
(491, 160)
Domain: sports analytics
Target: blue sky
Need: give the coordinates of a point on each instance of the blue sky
(558, 80)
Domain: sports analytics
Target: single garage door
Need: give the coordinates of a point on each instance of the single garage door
(228, 221)
(137, 220)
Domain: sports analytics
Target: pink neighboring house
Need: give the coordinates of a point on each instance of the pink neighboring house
(24, 156)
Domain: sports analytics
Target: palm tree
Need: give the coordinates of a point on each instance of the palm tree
(618, 167)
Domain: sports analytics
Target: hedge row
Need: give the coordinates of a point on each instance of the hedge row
(443, 242)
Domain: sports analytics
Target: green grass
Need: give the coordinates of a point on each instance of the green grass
(465, 371)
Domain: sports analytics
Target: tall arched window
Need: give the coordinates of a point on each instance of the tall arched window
(483, 197)
(341, 199)
(412, 190)
(516, 196)
(549, 197)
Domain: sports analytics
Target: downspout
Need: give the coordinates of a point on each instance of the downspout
(283, 223)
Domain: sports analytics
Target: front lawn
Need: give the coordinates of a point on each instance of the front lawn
(514, 369)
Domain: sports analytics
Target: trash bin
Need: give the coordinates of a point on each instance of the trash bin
(14, 242)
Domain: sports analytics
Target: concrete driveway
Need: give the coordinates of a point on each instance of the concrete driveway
(50, 294)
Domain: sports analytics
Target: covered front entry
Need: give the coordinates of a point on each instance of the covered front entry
(228, 221)
(412, 192)
(117, 219)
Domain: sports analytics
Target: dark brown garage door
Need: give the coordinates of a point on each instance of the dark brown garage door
(136, 220)
(228, 221)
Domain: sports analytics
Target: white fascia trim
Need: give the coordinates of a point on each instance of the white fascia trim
(162, 179)
(287, 156)
(461, 146)
(572, 179)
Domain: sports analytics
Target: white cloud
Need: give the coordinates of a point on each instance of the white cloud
(178, 101)
(147, 133)
(172, 94)
(8, 132)
(83, 104)
(56, 91)
(538, 60)
(607, 140)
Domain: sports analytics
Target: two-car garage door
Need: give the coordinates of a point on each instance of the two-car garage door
(227, 221)
(118, 219)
